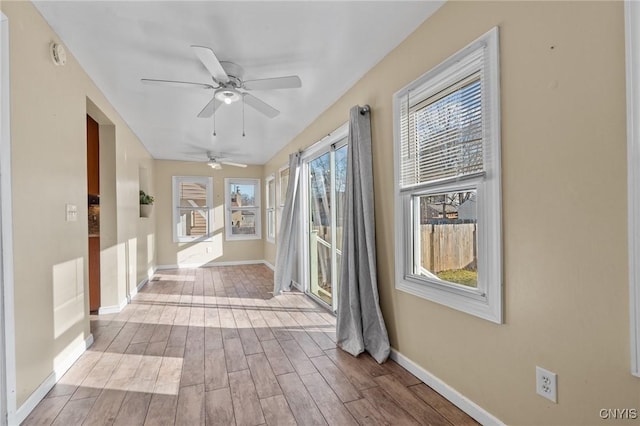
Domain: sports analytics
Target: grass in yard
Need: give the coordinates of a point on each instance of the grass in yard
(460, 276)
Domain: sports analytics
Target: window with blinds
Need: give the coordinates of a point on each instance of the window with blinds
(448, 203)
(442, 133)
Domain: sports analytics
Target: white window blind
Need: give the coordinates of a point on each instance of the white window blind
(442, 129)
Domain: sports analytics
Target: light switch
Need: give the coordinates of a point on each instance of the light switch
(72, 212)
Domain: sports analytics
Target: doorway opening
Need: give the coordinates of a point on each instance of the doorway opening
(93, 199)
(324, 181)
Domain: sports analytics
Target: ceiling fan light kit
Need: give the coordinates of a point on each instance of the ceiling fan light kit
(227, 96)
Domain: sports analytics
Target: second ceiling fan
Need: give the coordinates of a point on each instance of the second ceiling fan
(229, 84)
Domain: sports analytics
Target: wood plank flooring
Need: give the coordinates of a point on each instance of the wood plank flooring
(213, 346)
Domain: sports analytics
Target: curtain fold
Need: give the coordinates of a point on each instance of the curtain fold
(360, 325)
(286, 251)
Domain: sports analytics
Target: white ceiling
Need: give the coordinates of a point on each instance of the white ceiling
(330, 45)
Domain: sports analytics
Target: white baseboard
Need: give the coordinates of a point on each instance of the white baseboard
(113, 309)
(38, 395)
(136, 289)
(297, 285)
(269, 265)
(142, 284)
(465, 404)
(210, 264)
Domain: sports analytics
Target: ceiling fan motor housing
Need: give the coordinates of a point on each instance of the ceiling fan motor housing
(235, 73)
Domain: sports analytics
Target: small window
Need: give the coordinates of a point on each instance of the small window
(448, 206)
(243, 209)
(271, 208)
(192, 208)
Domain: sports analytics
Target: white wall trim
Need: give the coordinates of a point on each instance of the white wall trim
(7, 358)
(210, 264)
(113, 309)
(459, 400)
(137, 289)
(44, 388)
(141, 284)
(35, 398)
(632, 34)
(269, 265)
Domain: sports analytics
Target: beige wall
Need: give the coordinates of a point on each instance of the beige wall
(564, 210)
(48, 142)
(218, 249)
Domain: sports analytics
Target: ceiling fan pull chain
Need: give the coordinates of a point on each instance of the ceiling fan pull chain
(214, 122)
(243, 116)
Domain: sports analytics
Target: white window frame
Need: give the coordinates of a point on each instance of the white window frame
(270, 215)
(175, 204)
(339, 137)
(485, 301)
(632, 32)
(228, 182)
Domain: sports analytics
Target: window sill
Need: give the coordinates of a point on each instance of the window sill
(467, 301)
(243, 238)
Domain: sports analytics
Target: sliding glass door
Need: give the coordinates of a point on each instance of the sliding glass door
(326, 174)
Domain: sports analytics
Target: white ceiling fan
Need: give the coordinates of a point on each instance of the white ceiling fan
(229, 85)
(215, 161)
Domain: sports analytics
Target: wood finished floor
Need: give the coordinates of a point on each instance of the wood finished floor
(213, 346)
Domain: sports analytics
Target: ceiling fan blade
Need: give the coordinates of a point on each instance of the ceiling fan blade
(260, 106)
(229, 163)
(211, 62)
(209, 108)
(173, 83)
(288, 82)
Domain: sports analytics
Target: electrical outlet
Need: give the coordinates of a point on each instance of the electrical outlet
(547, 384)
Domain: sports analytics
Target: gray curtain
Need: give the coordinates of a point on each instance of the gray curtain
(360, 325)
(288, 236)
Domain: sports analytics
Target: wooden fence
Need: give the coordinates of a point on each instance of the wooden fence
(448, 247)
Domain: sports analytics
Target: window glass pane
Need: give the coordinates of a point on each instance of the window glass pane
(341, 187)
(192, 222)
(271, 223)
(192, 194)
(284, 184)
(271, 193)
(447, 228)
(320, 196)
(243, 195)
(243, 222)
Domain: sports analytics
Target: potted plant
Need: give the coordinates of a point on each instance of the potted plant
(146, 202)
